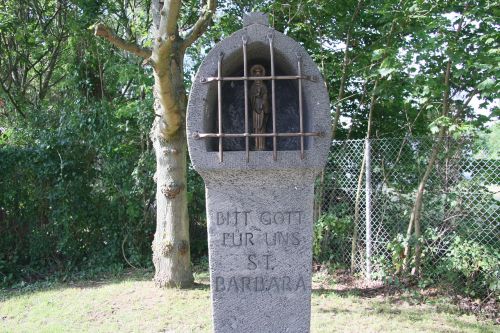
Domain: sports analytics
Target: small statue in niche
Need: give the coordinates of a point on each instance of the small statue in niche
(260, 105)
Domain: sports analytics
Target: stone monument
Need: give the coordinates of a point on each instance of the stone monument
(259, 132)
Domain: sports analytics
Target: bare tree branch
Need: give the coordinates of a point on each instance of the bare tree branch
(461, 108)
(201, 25)
(103, 31)
(12, 99)
(345, 65)
(49, 71)
(169, 17)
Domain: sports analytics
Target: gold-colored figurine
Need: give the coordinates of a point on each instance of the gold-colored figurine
(260, 105)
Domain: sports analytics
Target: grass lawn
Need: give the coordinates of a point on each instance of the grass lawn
(131, 303)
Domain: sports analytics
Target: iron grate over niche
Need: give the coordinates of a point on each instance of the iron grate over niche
(245, 78)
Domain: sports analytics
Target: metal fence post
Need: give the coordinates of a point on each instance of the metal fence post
(368, 209)
(468, 172)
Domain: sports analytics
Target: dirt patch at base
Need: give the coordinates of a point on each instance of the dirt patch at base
(343, 283)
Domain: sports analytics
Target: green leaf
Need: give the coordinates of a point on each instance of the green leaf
(489, 82)
(385, 71)
(377, 54)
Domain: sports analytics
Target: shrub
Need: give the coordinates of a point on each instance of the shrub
(329, 230)
(477, 264)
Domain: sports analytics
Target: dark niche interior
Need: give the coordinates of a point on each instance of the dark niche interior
(233, 105)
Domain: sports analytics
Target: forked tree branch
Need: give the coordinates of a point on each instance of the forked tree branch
(201, 25)
(169, 17)
(103, 31)
(12, 99)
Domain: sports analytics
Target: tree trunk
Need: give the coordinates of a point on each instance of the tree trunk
(417, 212)
(171, 255)
(417, 207)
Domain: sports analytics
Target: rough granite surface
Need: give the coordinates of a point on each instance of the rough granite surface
(260, 213)
(260, 245)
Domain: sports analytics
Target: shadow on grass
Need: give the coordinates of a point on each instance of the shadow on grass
(200, 286)
(355, 291)
(385, 300)
(334, 311)
(422, 312)
(376, 302)
(98, 281)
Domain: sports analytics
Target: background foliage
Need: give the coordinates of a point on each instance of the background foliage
(76, 167)
(460, 222)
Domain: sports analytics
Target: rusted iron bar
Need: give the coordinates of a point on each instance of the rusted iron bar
(245, 73)
(273, 94)
(253, 78)
(254, 135)
(301, 112)
(219, 105)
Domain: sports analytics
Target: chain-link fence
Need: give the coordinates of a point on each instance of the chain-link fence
(460, 219)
